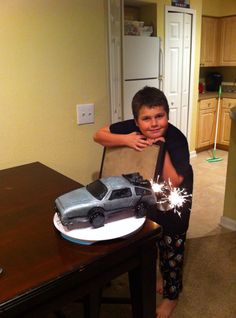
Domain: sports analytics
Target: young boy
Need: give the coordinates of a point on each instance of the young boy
(150, 124)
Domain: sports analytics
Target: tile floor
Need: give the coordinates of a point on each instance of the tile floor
(208, 194)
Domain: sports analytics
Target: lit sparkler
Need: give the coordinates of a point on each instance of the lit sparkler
(169, 197)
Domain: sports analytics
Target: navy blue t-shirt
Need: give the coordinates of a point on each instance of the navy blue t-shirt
(177, 146)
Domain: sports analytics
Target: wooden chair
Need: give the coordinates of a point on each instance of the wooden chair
(118, 161)
(123, 160)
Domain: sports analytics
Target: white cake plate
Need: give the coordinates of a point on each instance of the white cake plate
(115, 228)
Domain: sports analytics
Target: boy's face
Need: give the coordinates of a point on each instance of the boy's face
(152, 122)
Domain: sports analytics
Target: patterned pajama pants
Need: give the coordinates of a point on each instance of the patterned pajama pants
(171, 255)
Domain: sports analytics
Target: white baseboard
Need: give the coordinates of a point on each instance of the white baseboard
(228, 223)
(193, 154)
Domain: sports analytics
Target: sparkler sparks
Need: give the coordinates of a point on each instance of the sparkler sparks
(169, 197)
(157, 187)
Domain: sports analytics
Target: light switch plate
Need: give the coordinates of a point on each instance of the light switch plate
(85, 114)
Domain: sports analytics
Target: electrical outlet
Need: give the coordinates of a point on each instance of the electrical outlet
(85, 114)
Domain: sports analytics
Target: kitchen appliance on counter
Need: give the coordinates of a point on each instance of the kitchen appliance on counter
(213, 81)
(201, 88)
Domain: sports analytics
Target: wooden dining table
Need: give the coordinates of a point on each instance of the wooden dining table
(40, 267)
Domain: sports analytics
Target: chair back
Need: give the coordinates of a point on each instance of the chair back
(123, 160)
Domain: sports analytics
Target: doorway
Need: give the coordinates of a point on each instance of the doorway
(179, 57)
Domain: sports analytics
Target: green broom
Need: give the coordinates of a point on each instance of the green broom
(214, 158)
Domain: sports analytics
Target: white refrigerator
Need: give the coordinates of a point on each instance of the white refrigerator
(141, 67)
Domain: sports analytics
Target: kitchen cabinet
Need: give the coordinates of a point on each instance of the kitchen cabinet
(209, 41)
(228, 41)
(218, 45)
(225, 121)
(206, 123)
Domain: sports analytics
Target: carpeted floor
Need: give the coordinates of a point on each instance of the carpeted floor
(210, 278)
(209, 281)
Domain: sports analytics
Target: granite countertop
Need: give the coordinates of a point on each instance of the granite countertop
(207, 95)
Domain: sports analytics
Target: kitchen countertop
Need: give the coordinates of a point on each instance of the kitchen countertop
(207, 95)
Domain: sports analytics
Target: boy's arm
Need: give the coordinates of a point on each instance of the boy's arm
(133, 140)
(169, 172)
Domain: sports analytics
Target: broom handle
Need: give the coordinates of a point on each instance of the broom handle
(217, 116)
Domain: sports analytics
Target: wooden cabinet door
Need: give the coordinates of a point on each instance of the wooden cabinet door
(228, 41)
(206, 122)
(225, 121)
(209, 41)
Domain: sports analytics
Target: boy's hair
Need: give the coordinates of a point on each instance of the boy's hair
(149, 97)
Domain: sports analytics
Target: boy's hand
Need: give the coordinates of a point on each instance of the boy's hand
(157, 139)
(137, 141)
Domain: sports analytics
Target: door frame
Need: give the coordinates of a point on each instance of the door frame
(115, 66)
(192, 59)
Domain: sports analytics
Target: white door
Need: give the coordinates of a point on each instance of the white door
(177, 67)
(115, 53)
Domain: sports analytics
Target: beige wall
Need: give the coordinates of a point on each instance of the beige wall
(230, 189)
(218, 8)
(52, 56)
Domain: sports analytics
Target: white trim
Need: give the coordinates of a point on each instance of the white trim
(109, 60)
(115, 90)
(228, 223)
(180, 9)
(193, 154)
(227, 83)
(191, 88)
